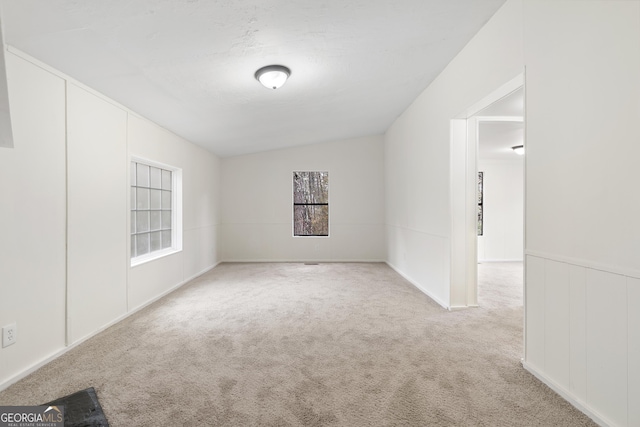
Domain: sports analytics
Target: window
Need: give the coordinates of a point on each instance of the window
(311, 203)
(155, 211)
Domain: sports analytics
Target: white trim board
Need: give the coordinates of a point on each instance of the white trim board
(504, 90)
(300, 261)
(577, 403)
(629, 272)
(70, 80)
(419, 287)
(517, 119)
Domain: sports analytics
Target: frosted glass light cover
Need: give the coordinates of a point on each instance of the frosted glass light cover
(273, 76)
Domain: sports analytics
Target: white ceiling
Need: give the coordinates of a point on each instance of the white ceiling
(503, 129)
(188, 65)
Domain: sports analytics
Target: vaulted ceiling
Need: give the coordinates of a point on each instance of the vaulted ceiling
(189, 65)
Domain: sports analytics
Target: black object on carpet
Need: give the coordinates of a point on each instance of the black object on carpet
(81, 409)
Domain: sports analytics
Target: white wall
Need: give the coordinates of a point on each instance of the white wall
(417, 150)
(503, 207)
(582, 249)
(96, 212)
(64, 253)
(583, 238)
(201, 217)
(33, 218)
(583, 234)
(257, 202)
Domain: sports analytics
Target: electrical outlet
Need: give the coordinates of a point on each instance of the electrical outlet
(9, 335)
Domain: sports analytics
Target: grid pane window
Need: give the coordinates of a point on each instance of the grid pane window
(310, 203)
(151, 194)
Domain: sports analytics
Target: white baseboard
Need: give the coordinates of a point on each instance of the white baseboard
(418, 286)
(569, 397)
(298, 261)
(462, 307)
(14, 379)
(167, 292)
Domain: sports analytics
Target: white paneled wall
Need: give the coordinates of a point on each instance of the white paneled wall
(582, 336)
(556, 321)
(581, 202)
(633, 289)
(97, 192)
(503, 209)
(418, 209)
(32, 218)
(607, 356)
(534, 319)
(422, 259)
(578, 332)
(200, 190)
(65, 192)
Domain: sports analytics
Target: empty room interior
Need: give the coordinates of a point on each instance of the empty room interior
(261, 213)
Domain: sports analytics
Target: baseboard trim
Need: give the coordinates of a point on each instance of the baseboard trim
(195, 276)
(168, 291)
(418, 286)
(298, 261)
(14, 379)
(569, 397)
(462, 307)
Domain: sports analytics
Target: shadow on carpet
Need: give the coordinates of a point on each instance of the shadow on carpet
(81, 409)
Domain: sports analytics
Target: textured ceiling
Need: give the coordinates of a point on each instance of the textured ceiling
(188, 65)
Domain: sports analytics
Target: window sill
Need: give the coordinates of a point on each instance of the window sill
(153, 256)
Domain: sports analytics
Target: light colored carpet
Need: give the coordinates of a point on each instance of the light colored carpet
(310, 345)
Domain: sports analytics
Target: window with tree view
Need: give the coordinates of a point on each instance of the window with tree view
(311, 203)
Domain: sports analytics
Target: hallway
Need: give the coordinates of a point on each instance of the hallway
(500, 284)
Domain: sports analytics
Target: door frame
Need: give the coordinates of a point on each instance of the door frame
(463, 197)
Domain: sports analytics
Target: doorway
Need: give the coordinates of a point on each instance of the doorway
(500, 237)
(503, 108)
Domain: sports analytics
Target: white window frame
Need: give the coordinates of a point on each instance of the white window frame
(176, 212)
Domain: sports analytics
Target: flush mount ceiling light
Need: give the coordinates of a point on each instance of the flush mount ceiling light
(519, 149)
(273, 76)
